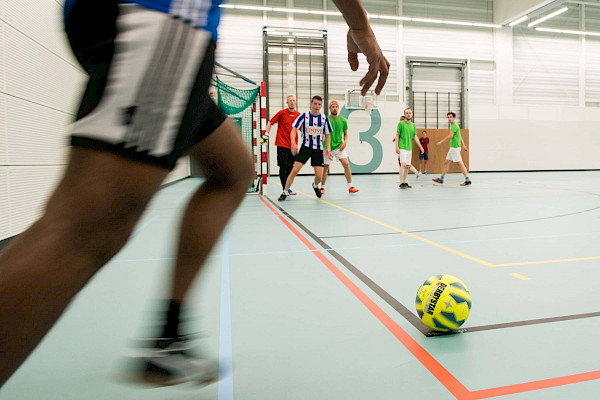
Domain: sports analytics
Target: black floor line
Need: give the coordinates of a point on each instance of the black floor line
(405, 312)
(467, 227)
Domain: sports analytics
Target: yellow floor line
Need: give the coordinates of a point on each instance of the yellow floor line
(422, 239)
(547, 261)
(519, 276)
(456, 252)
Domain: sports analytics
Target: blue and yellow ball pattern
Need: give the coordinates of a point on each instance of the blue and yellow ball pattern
(443, 303)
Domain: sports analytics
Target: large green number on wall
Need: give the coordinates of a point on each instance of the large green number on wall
(368, 137)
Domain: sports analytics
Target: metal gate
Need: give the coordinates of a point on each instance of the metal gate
(295, 62)
(436, 88)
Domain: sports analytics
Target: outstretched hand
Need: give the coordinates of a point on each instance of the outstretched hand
(364, 41)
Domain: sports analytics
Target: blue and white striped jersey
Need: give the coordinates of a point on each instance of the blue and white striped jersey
(205, 14)
(313, 128)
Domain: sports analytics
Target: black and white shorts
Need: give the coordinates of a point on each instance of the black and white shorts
(147, 97)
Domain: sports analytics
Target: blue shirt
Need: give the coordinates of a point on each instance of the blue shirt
(313, 128)
(205, 14)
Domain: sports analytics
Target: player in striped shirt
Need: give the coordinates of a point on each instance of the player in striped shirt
(316, 137)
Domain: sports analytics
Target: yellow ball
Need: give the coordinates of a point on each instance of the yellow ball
(443, 303)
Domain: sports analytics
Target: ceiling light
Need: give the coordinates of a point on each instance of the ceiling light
(518, 21)
(370, 16)
(572, 32)
(554, 14)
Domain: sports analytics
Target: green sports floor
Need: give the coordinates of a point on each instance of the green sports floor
(313, 299)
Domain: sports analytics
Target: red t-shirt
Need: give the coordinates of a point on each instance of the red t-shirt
(284, 120)
(424, 143)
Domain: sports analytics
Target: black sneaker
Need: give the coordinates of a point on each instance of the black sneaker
(170, 361)
(466, 183)
(438, 180)
(282, 197)
(406, 185)
(317, 191)
(403, 186)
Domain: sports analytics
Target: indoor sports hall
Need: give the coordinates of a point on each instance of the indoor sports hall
(314, 294)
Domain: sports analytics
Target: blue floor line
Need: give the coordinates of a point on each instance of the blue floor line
(225, 342)
(145, 224)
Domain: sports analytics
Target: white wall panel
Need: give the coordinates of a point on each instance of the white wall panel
(35, 135)
(341, 77)
(240, 44)
(592, 72)
(41, 21)
(482, 82)
(440, 41)
(29, 188)
(460, 10)
(35, 74)
(5, 229)
(545, 68)
(3, 134)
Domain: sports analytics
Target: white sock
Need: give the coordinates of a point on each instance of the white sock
(413, 169)
(350, 185)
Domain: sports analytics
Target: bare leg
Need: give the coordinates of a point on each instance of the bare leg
(297, 167)
(445, 168)
(425, 168)
(228, 178)
(347, 171)
(85, 223)
(318, 174)
(404, 173)
(325, 174)
(463, 168)
(400, 171)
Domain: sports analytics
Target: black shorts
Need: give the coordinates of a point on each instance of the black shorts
(147, 97)
(284, 156)
(424, 156)
(316, 156)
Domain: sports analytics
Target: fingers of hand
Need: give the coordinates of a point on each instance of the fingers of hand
(353, 61)
(384, 70)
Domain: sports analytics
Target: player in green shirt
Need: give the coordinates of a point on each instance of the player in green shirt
(406, 133)
(456, 142)
(339, 141)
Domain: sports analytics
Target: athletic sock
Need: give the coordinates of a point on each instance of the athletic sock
(171, 328)
(413, 169)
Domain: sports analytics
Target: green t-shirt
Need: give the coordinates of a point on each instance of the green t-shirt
(407, 131)
(455, 141)
(339, 126)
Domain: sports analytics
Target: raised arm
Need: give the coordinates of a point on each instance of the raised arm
(361, 39)
(445, 139)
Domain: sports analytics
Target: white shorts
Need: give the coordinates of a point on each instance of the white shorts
(454, 154)
(405, 156)
(337, 154)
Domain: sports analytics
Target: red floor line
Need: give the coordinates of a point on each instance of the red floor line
(441, 374)
(536, 385)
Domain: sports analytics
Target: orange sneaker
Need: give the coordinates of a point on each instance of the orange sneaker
(352, 190)
(322, 190)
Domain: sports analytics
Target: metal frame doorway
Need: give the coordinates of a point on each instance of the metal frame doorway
(431, 106)
(294, 62)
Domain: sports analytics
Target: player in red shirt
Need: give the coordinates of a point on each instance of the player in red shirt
(424, 157)
(284, 119)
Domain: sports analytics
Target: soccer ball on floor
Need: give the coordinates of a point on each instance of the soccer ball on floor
(443, 303)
